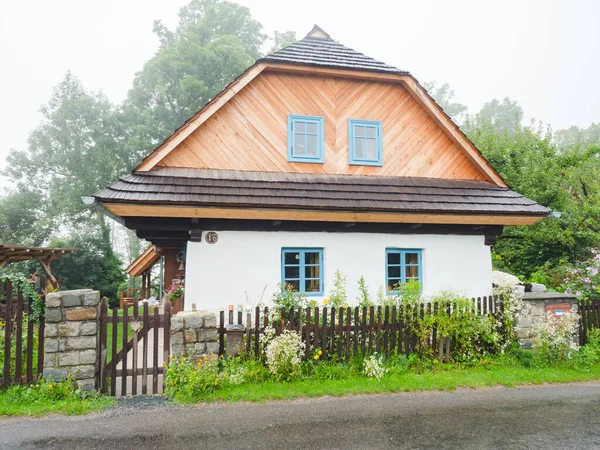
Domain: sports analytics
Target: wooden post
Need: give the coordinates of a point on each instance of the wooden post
(125, 325)
(155, 326)
(113, 365)
(7, 330)
(145, 329)
(19, 339)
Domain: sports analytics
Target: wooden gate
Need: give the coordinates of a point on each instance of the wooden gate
(134, 345)
(22, 349)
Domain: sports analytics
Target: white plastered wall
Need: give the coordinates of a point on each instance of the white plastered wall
(220, 274)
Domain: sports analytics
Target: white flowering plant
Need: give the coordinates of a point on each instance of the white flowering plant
(556, 339)
(373, 367)
(283, 354)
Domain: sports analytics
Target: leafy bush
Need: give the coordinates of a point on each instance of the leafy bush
(364, 299)
(338, 296)
(556, 338)
(186, 379)
(584, 278)
(589, 354)
(284, 355)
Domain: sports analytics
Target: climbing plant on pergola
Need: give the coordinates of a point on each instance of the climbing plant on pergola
(45, 255)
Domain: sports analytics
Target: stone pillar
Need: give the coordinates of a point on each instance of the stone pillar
(535, 307)
(71, 336)
(194, 333)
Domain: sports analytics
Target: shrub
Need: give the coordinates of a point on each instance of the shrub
(331, 371)
(584, 278)
(284, 355)
(589, 354)
(373, 367)
(555, 341)
(364, 299)
(189, 380)
(338, 296)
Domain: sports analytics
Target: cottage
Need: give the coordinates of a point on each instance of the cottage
(316, 159)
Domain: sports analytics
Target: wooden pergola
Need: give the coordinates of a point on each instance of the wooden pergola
(44, 255)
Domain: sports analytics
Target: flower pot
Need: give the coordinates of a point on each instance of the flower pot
(177, 306)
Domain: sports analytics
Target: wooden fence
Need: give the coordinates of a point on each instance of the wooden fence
(345, 332)
(23, 348)
(589, 318)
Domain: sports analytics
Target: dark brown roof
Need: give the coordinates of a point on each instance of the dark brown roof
(203, 187)
(325, 52)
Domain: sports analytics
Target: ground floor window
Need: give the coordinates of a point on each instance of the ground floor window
(402, 265)
(302, 268)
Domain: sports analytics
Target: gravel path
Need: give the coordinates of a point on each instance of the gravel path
(565, 416)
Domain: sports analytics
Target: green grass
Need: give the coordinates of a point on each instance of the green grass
(20, 401)
(443, 378)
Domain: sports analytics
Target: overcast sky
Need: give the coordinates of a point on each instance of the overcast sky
(543, 54)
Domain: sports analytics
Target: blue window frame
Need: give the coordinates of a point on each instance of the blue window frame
(305, 139)
(364, 142)
(302, 268)
(402, 265)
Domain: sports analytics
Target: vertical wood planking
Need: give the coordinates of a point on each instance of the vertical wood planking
(222, 333)
(155, 336)
(102, 347)
(41, 329)
(19, 338)
(307, 335)
(125, 325)
(248, 330)
(324, 333)
(30, 331)
(386, 321)
(332, 333)
(134, 359)
(145, 335)
(393, 337)
(370, 328)
(7, 330)
(256, 331)
(348, 325)
(340, 339)
(316, 328)
(363, 334)
(378, 339)
(356, 329)
(113, 364)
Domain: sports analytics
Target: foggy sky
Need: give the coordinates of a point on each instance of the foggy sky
(543, 54)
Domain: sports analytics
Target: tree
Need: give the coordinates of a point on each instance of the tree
(23, 220)
(74, 152)
(504, 116)
(214, 42)
(443, 95)
(578, 138)
(281, 40)
(93, 266)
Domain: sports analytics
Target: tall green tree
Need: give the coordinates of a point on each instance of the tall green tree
(214, 42)
(444, 96)
(23, 220)
(282, 39)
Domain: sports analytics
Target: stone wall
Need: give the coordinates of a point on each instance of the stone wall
(194, 333)
(71, 336)
(535, 305)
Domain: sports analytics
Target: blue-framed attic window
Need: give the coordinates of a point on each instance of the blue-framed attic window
(402, 265)
(306, 139)
(364, 142)
(302, 268)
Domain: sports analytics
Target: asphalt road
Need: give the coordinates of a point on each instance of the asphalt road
(559, 416)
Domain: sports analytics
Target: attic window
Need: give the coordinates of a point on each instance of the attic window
(305, 139)
(364, 142)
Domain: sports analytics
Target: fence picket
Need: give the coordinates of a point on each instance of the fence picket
(19, 339)
(7, 332)
(145, 329)
(125, 342)
(113, 366)
(307, 337)
(30, 336)
(155, 326)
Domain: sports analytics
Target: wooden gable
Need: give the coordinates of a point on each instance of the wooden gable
(249, 132)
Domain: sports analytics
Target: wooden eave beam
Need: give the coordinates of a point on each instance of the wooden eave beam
(133, 210)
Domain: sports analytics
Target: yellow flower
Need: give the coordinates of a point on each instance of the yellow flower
(184, 359)
(320, 352)
(316, 357)
(50, 387)
(164, 364)
(325, 301)
(199, 363)
(205, 358)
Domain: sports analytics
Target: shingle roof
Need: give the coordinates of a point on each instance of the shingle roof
(205, 187)
(318, 49)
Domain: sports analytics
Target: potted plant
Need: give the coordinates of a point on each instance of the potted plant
(176, 293)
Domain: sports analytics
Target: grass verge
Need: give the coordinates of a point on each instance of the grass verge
(37, 402)
(441, 378)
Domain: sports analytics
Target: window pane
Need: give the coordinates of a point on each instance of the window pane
(295, 285)
(311, 145)
(299, 144)
(300, 127)
(312, 258)
(359, 131)
(291, 258)
(412, 258)
(371, 132)
(392, 282)
(393, 258)
(358, 148)
(312, 285)
(311, 127)
(312, 272)
(394, 272)
(371, 152)
(292, 272)
(412, 271)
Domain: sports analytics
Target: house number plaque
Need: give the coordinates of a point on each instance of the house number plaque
(211, 237)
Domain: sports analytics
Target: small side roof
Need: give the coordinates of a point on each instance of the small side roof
(144, 261)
